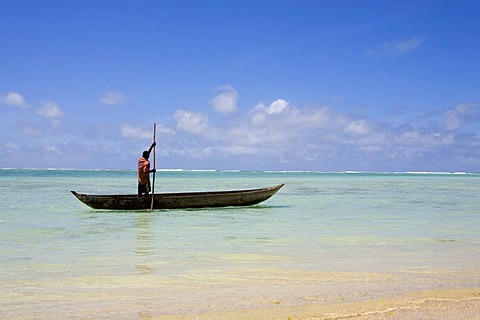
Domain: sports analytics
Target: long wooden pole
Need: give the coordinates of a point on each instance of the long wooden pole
(154, 164)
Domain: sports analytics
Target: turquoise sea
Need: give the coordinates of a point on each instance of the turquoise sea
(323, 238)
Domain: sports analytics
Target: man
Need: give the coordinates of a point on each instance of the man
(144, 172)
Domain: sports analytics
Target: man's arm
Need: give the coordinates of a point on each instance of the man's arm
(150, 150)
(151, 147)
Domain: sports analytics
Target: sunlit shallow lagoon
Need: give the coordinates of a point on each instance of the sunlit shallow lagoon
(323, 238)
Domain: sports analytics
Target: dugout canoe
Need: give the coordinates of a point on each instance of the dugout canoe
(183, 200)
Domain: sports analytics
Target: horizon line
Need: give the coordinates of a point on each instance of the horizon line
(264, 171)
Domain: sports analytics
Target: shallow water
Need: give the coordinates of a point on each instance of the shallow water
(324, 237)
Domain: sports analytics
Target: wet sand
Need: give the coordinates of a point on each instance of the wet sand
(439, 305)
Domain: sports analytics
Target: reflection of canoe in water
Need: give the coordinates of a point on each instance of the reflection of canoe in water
(179, 200)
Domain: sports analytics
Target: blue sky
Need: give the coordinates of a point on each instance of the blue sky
(250, 85)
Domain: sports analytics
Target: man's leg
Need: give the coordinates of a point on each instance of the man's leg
(142, 189)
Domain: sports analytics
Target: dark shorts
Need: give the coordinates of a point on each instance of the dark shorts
(143, 189)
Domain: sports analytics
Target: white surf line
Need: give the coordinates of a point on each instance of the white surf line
(414, 305)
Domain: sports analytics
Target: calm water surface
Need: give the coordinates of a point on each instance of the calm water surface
(324, 237)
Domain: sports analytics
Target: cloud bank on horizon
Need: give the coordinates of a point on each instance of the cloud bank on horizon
(273, 135)
(390, 89)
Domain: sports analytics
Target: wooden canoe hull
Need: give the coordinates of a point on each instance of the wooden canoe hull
(179, 200)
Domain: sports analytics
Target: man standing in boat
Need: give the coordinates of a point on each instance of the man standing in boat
(144, 172)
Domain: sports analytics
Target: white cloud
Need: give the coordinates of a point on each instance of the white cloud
(130, 132)
(280, 113)
(191, 122)
(50, 110)
(400, 47)
(261, 112)
(163, 130)
(225, 102)
(14, 99)
(462, 115)
(411, 135)
(279, 134)
(239, 150)
(29, 129)
(396, 47)
(113, 98)
(358, 127)
(423, 140)
(287, 133)
(276, 107)
(275, 129)
(11, 147)
(53, 150)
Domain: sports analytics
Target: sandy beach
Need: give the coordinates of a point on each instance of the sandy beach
(440, 305)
